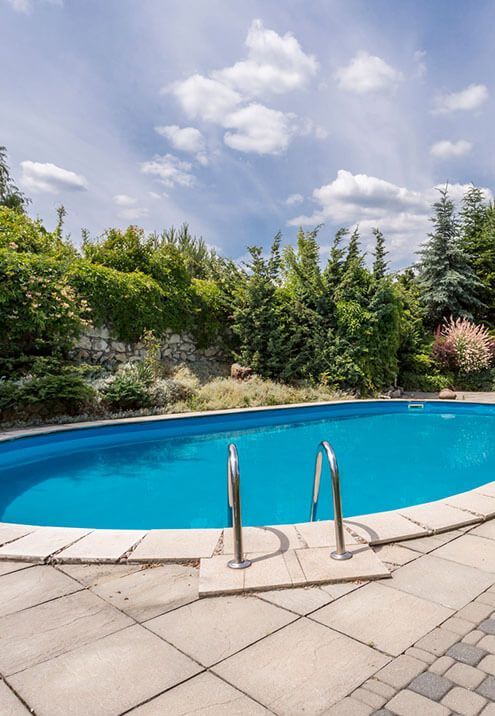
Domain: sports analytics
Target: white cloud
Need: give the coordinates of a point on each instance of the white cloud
(470, 98)
(258, 129)
(294, 199)
(367, 73)
(38, 176)
(274, 64)
(124, 200)
(446, 149)
(205, 98)
(185, 139)
(170, 170)
(358, 199)
(420, 62)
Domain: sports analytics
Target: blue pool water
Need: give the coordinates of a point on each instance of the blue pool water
(172, 473)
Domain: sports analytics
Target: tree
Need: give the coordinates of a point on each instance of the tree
(380, 263)
(259, 316)
(10, 195)
(448, 283)
(478, 240)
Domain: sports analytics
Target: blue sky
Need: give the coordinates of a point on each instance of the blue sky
(246, 118)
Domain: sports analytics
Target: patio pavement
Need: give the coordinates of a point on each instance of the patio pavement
(132, 638)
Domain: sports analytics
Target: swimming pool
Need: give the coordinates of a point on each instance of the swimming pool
(171, 473)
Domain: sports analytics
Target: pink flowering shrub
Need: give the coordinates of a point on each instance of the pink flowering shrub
(463, 346)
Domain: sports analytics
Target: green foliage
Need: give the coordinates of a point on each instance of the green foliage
(20, 233)
(39, 311)
(446, 275)
(258, 315)
(130, 388)
(200, 260)
(47, 395)
(10, 196)
(128, 303)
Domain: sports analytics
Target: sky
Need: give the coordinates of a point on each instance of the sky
(246, 118)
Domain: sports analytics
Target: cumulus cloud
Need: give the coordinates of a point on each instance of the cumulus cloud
(274, 64)
(204, 98)
(185, 139)
(258, 129)
(446, 149)
(294, 199)
(169, 170)
(47, 177)
(402, 214)
(470, 98)
(367, 73)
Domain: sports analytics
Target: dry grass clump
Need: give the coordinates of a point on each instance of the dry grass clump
(225, 393)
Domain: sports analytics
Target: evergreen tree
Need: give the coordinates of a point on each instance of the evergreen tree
(334, 269)
(259, 320)
(446, 276)
(10, 195)
(478, 240)
(380, 263)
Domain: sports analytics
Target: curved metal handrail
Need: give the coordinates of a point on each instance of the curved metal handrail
(324, 446)
(234, 505)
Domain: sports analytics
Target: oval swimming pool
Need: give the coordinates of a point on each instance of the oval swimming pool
(171, 473)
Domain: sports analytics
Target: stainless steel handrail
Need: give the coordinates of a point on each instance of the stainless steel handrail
(324, 446)
(234, 503)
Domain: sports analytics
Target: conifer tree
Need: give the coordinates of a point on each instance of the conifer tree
(446, 276)
(10, 195)
(380, 263)
(258, 317)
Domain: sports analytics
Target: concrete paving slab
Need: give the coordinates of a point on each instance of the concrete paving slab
(301, 600)
(166, 545)
(319, 567)
(40, 544)
(439, 516)
(384, 527)
(321, 534)
(205, 694)
(101, 546)
(264, 539)
(105, 677)
(9, 532)
(215, 577)
(8, 567)
(48, 630)
(383, 617)
(24, 589)
(89, 575)
(295, 670)
(395, 554)
(441, 581)
(10, 705)
(273, 570)
(428, 544)
(150, 592)
(475, 502)
(486, 529)
(211, 630)
(472, 550)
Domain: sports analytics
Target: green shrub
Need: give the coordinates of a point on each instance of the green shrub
(67, 393)
(39, 312)
(128, 303)
(210, 320)
(20, 233)
(130, 388)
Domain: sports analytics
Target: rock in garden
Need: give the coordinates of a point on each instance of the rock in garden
(447, 394)
(240, 372)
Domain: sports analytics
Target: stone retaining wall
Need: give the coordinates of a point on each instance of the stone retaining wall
(98, 346)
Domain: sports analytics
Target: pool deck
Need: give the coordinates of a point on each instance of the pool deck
(103, 640)
(134, 636)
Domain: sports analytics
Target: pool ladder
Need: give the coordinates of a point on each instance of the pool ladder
(234, 503)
